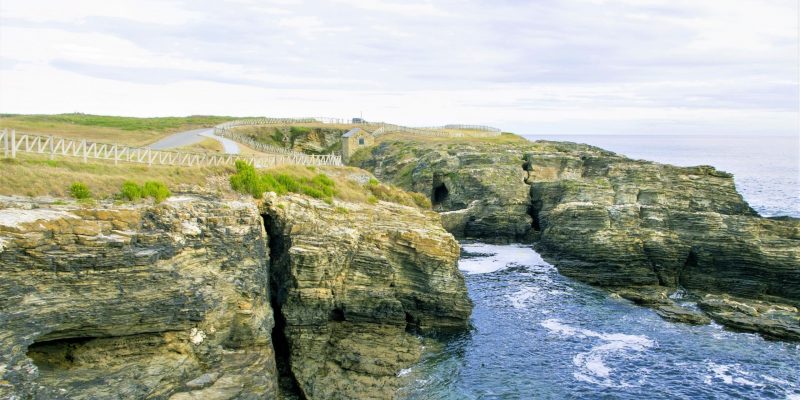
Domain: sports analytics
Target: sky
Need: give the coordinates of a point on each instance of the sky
(721, 67)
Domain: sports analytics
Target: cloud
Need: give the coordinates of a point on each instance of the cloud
(584, 66)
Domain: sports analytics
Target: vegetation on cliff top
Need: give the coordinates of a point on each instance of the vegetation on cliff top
(123, 130)
(325, 184)
(34, 175)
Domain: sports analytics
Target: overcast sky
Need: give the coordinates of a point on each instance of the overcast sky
(539, 67)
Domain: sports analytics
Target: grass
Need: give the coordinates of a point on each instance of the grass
(207, 145)
(248, 180)
(123, 130)
(326, 183)
(34, 175)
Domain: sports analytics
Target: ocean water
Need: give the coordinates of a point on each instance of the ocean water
(766, 169)
(539, 335)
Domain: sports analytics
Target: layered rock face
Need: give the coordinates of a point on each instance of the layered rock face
(480, 192)
(352, 285)
(166, 301)
(611, 221)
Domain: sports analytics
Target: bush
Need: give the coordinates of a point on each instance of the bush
(80, 191)
(247, 180)
(131, 191)
(157, 190)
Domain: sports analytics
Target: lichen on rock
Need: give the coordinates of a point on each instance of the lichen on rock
(353, 289)
(603, 218)
(124, 301)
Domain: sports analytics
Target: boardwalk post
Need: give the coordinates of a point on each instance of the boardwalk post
(13, 143)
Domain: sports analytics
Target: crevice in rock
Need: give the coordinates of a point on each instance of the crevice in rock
(287, 382)
(533, 210)
(689, 264)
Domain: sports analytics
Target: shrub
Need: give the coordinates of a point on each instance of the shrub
(131, 191)
(373, 182)
(80, 191)
(372, 199)
(246, 180)
(157, 190)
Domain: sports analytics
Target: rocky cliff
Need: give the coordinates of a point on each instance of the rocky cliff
(166, 301)
(612, 221)
(174, 300)
(353, 285)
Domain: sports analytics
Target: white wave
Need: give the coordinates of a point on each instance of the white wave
(591, 364)
(522, 296)
(530, 295)
(496, 257)
(729, 374)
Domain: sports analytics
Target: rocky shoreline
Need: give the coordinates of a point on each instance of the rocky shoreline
(638, 228)
(217, 296)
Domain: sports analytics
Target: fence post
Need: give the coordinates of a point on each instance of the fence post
(5, 143)
(52, 147)
(83, 146)
(13, 143)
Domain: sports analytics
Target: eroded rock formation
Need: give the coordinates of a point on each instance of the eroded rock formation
(352, 284)
(166, 301)
(611, 221)
(173, 300)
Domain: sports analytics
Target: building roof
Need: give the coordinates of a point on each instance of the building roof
(351, 132)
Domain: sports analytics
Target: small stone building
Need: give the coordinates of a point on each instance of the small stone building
(354, 140)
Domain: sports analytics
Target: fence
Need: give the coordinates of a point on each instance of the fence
(53, 145)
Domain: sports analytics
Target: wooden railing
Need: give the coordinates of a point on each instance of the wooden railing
(14, 143)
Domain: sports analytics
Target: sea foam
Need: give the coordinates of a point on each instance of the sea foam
(591, 365)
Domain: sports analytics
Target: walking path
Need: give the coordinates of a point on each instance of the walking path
(187, 138)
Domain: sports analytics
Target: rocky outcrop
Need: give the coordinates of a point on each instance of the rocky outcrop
(353, 285)
(603, 218)
(174, 301)
(305, 139)
(166, 301)
(480, 192)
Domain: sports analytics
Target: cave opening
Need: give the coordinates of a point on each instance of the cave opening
(412, 324)
(287, 382)
(337, 315)
(440, 193)
(57, 353)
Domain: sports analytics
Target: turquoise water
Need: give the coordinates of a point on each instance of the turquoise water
(766, 168)
(539, 335)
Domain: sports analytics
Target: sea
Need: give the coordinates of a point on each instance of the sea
(536, 334)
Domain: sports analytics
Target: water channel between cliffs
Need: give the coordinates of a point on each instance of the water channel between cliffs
(538, 334)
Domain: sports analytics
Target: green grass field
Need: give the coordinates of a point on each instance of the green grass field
(101, 128)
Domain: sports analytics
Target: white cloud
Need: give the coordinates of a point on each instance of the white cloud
(592, 66)
(149, 11)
